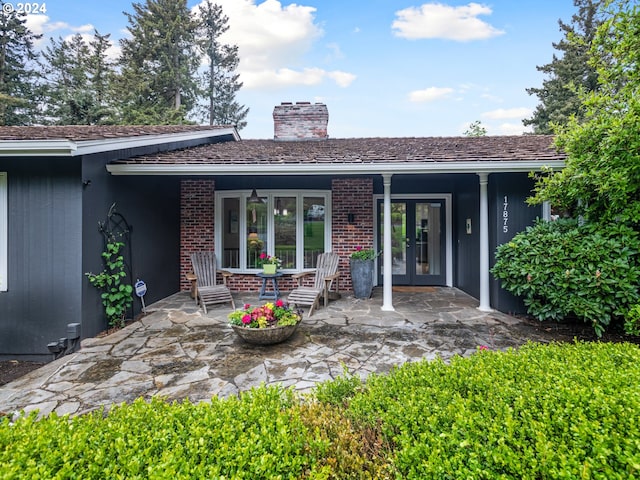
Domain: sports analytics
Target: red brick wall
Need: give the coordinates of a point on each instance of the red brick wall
(196, 222)
(353, 196)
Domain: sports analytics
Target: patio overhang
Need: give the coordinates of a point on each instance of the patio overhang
(204, 169)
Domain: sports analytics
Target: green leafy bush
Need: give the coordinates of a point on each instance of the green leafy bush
(264, 434)
(632, 320)
(558, 411)
(543, 411)
(562, 269)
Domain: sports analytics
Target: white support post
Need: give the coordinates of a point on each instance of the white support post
(387, 276)
(485, 302)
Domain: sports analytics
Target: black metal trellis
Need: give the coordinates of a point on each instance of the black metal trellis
(116, 229)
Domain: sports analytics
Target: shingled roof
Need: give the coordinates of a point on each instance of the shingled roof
(357, 155)
(79, 133)
(363, 150)
(74, 140)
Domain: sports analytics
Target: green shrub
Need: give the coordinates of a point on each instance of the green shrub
(562, 269)
(338, 391)
(558, 411)
(543, 411)
(632, 320)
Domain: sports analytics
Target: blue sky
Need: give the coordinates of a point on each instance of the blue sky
(384, 68)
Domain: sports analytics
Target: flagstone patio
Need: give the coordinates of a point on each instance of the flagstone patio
(178, 352)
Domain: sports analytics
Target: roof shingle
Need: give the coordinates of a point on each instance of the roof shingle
(363, 151)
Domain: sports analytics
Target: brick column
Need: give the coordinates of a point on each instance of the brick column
(196, 222)
(355, 196)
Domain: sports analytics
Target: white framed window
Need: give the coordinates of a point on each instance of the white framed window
(4, 215)
(293, 225)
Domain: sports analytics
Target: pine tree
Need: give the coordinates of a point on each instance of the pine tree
(77, 80)
(18, 71)
(569, 73)
(220, 83)
(158, 64)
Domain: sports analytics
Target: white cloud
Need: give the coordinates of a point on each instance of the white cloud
(511, 129)
(272, 41)
(430, 94)
(436, 20)
(287, 77)
(507, 113)
(342, 79)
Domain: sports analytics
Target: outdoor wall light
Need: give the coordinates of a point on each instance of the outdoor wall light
(351, 218)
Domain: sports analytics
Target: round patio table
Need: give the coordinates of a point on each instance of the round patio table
(274, 294)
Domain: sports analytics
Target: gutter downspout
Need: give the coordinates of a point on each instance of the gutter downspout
(485, 302)
(387, 278)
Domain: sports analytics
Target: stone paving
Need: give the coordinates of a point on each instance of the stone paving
(178, 352)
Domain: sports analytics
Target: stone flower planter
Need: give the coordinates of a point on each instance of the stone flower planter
(265, 336)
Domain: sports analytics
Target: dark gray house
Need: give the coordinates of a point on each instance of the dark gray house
(436, 207)
(54, 193)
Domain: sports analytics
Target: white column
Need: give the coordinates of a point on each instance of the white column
(387, 275)
(485, 302)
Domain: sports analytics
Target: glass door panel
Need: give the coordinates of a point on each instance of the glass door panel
(417, 242)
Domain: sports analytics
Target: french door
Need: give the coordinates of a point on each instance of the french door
(418, 241)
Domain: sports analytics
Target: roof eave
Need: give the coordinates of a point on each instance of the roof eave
(333, 168)
(70, 148)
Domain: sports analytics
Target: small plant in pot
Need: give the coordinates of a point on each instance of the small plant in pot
(270, 264)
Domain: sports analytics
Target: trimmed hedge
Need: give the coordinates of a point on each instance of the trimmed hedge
(558, 411)
(543, 411)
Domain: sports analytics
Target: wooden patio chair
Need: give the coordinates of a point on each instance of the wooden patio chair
(326, 273)
(208, 291)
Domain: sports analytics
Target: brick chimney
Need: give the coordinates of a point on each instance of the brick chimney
(302, 121)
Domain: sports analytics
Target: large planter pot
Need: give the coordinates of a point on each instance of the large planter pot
(361, 277)
(265, 336)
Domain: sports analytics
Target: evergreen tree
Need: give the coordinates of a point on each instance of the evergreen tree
(158, 65)
(601, 180)
(219, 82)
(77, 80)
(568, 74)
(18, 71)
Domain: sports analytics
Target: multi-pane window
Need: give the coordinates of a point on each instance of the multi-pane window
(293, 226)
(3, 232)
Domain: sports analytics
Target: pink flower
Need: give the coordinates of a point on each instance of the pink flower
(279, 303)
(483, 347)
(263, 256)
(358, 248)
(247, 306)
(246, 319)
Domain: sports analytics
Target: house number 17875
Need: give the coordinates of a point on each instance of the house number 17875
(505, 215)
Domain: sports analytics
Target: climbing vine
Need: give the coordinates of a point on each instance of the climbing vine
(116, 295)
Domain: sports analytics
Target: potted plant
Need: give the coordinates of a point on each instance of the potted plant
(270, 264)
(361, 265)
(266, 324)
